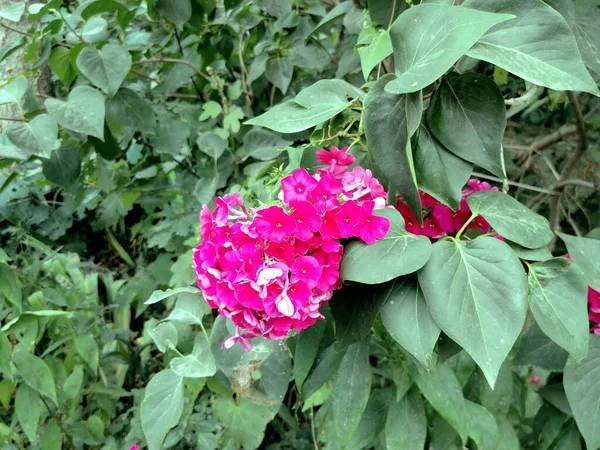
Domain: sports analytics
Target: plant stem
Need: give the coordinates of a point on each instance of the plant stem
(465, 225)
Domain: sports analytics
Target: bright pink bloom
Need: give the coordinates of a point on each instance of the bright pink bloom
(307, 269)
(427, 201)
(297, 186)
(371, 228)
(134, 447)
(307, 220)
(274, 224)
(346, 219)
(324, 195)
(339, 157)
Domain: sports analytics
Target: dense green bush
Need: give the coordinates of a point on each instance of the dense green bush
(123, 117)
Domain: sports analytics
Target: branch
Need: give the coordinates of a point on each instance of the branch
(160, 59)
(15, 30)
(247, 92)
(9, 119)
(148, 77)
(181, 51)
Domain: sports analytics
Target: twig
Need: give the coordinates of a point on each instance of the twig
(514, 183)
(15, 30)
(190, 96)
(392, 16)
(571, 221)
(577, 182)
(247, 92)
(14, 120)
(272, 96)
(571, 162)
(525, 98)
(70, 27)
(178, 39)
(148, 77)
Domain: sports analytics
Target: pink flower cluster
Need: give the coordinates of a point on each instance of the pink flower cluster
(270, 270)
(439, 220)
(594, 310)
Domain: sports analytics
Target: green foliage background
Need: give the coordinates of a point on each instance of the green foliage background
(120, 118)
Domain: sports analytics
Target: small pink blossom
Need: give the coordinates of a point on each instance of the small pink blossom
(297, 186)
(339, 157)
(371, 228)
(274, 224)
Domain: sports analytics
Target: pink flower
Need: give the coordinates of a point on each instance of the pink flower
(346, 219)
(307, 269)
(371, 228)
(297, 186)
(134, 447)
(274, 224)
(339, 157)
(450, 221)
(427, 201)
(324, 196)
(307, 220)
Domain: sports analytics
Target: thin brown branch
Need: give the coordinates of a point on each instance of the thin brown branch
(70, 27)
(244, 73)
(147, 77)
(178, 39)
(9, 119)
(161, 60)
(15, 30)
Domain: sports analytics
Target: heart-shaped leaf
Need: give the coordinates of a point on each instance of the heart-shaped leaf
(63, 166)
(105, 68)
(477, 293)
(199, 364)
(37, 137)
(83, 112)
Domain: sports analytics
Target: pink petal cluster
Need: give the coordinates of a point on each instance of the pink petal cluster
(439, 220)
(269, 270)
(593, 298)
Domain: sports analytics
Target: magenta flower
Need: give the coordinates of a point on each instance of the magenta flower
(307, 220)
(274, 224)
(324, 196)
(297, 186)
(307, 269)
(134, 447)
(335, 155)
(371, 228)
(346, 219)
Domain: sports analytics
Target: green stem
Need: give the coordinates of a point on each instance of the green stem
(464, 227)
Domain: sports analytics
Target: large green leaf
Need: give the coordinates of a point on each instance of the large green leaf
(529, 254)
(406, 424)
(397, 254)
(245, 421)
(558, 301)
(511, 219)
(28, 408)
(37, 137)
(443, 391)
(63, 166)
(105, 68)
(175, 11)
(162, 407)
(279, 71)
(440, 173)
(307, 348)
(586, 28)
(407, 319)
(583, 391)
(325, 367)
(379, 47)
(483, 428)
(390, 120)
(467, 114)
(477, 293)
(585, 252)
(264, 145)
(60, 63)
(200, 363)
(351, 390)
(128, 109)
(13, 12)
(312, 106)
(36, 373)
(14, 91)
(87, 348)
(428, 39)
(537, 349)
(537, 45)
(5, 351)
(83, 111)
(355, 309)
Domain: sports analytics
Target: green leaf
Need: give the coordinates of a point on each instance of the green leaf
(189, 309)
(585, 253)
(467, 114)
(586, 28)
(392, 151)
(536, 349)
(529, 254)
(14, 91)
(87, 348)
(128, 109)
(10, 286)
(440, 173)
(406, 424)
(109, 148)
(276, 8)
(279, 71)
(508, 436)
(63, 166)
(583, 391)
(159, 295)
(199, 364)
(7, 388)
(95, 30)
(537, 45)
(211, 144)
(351, 390)
(558, 301)
(477, 293)
(406, 317)
(60, 63)
(51, 436)
(162, 407)
(483, 428)
(83, 112)
(73, 383)
(164, 336)
(37, 137)
(333, 14)
(210, 110)
(379, 48)
(28, 408)
(105, 68)
(428, 39)
(499, 399)
(312, 106)
(14, 12)
(307, 348)
(36, 373)
(372, 422)
(325, 367)
(5, 351)
(264, 145)
(245, 422)
(397, 254)
(355, 309)
(442, 390)
(511, 219)
(176, 11)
